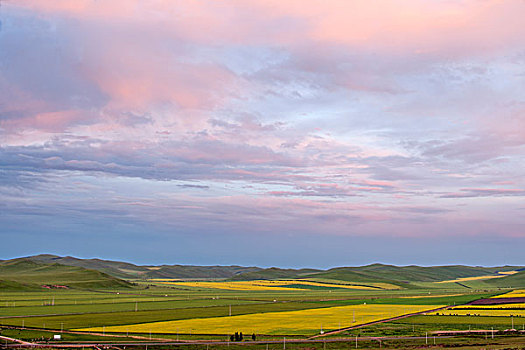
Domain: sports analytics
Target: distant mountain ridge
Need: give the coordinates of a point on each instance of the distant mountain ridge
(403, 276)
(131, 271)
(410, 273)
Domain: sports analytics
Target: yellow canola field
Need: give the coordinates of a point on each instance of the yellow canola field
(310, 283)
(265, 285)
(486, 312)
(326, 281)
(301, 322)
(228, 285)
(518, 293)
(466, 279)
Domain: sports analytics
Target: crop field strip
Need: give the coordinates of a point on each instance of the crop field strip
(275, 285)
(315, 294)
(11, 300)
(486, 312)
(181, 286)
(501, 309)
(115, 318)
(130, 317)
(380, 285)
(303, 322)
(448, 322)
(78, 301)
(19, 300)
(90, 297)
(493, 306)
(480, 278)
(191, 293)
(115, 307)
(430, 325)
(518, 293)
(165, 305)
(465, 318)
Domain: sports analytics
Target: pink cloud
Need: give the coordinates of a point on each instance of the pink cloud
(138, 83)
(419, 25)
(54, 122)
(139, 53)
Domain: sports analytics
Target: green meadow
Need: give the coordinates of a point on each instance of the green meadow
(40, 299)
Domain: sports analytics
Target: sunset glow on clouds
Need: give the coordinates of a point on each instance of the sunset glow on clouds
(175, 129)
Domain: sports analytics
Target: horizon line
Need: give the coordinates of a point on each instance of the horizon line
(258, 266)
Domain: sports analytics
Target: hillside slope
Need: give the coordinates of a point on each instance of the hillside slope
(512, 281)
(404, 276)
(24, 273)
(113, 268)
(6, 286)
(273, 273)
(131, 271)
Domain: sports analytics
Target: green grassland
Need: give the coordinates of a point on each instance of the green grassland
(511, 281)
(126, 270)
(30, 274)
(403, 276)
(146, 303)
(97, 295)
(115, 307)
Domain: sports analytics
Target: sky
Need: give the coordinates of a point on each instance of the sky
(265, 132)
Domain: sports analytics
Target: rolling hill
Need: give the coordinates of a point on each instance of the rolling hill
(273, 273)
(512, 281)
(24, 273)
(114, 268)
(112, 271)
(405, 276)
(407, 273)
(130, 271)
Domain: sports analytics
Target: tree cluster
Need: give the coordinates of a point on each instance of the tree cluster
(238, 336)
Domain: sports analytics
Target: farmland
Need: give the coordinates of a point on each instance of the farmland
(297, 307)
(274, 285)
(303, 322)
(518, 293)
(486, 312)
